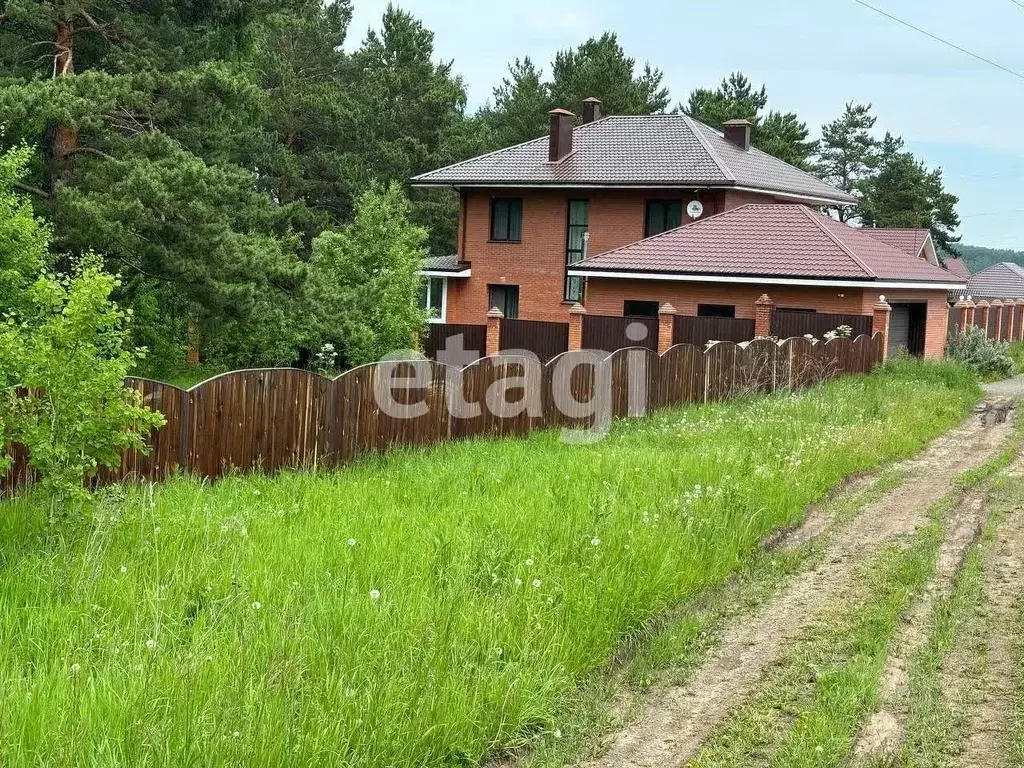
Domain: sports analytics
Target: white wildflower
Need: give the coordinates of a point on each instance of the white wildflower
(257, 605)
(556, 733)
(595, 542)
(375, 594)
(536, 583)
(76, 668)
(151, 644)
(529, 561)
(519, 582)
(124, 569)
(352, 542)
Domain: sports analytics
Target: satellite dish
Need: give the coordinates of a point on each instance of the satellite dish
(695, 209)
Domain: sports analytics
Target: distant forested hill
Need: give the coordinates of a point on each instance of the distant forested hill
(978, 258)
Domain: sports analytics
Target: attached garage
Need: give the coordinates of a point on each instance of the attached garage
(907, 326)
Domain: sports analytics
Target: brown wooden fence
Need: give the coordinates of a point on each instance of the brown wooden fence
(439, 336)
(272, 419)
(545, 340)
(700, 330)
(788, 323)
(610, 333)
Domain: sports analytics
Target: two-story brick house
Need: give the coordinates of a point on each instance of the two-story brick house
(570, 217)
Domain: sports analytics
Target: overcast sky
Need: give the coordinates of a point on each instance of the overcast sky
(954, 112)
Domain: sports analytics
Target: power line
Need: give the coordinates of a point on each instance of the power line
(1018, 3)
(925, 32)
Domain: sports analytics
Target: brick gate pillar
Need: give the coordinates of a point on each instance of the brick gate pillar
(997, 318)
(576, 313)
(970, 312)
(1010, 310)
(1018, 324)
(960, 308)
(494, 318)
(764, 310)
(666, 327)
(880, 324)
(981, 315)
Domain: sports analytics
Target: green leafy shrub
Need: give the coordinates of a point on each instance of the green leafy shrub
(987, 358)
(63, 362)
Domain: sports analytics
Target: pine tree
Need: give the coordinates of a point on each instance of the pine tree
(521, 104)
(783, 135)
(904, 193)
(849, 153)
(600, 68)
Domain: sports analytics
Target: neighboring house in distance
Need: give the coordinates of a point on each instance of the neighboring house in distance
(1000, 281)
(958, 267)
(581, 215)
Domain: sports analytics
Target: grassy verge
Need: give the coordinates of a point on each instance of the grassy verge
(426, 608)
(1016, 352)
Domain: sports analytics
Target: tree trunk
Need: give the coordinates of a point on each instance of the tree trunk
(64, 137)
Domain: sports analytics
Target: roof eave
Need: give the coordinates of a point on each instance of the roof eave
(797, 197)
(705, 277)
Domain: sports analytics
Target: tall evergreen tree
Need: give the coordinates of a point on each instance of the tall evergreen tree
(521, 104)
(904, 193)
(849, 153)
(600, 68)
(780, 134)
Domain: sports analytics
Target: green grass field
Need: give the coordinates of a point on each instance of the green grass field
(426, 608)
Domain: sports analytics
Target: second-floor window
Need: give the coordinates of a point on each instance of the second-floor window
(662, 215)
(576, 247)
(507, 220)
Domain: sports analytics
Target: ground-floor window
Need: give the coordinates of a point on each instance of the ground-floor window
(716, 310)
(505, 298)
(434, 298)
(640, 309)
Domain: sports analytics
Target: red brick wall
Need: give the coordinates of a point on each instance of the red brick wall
(537, 264)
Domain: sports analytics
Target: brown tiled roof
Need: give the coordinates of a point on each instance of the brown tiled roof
(785, 241)
(448, 263)
(1000, 281)
(958, 267)
(653, 150)
(907, 240)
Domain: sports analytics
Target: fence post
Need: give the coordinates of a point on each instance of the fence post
(982, 314)
(997, 312)
(666, 327)
(1010, 310)
(494, 318)
(880, 324)
(961, 314)
(576, 313)
(1018, 325)
(969, 314)
(764, 309)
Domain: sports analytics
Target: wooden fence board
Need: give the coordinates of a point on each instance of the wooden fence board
(611, 333)
(545, 340)
(700, 331)
(276, 418)
(788, 324)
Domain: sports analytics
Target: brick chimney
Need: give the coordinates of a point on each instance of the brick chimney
(591, 110)
(561, 134)
(738, 133)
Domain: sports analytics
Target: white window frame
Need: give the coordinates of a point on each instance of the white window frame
(444, 298)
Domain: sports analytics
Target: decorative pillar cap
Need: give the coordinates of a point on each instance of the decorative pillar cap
(882, 305)
(1020, 302)
(577, 309)
(962, 304)
(666, 309)
(996, 303)
(764, 300)
(495, 314)
(984, 304)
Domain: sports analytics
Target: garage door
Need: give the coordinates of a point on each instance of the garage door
(899, 329)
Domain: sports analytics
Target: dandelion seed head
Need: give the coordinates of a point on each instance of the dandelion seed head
(151, 644)
(375, 594)
(257, 605)
(529, 561)
(352, 542)
(76, 668)
(595, 542)
(536, 583)
(124, 569)
(519, 582)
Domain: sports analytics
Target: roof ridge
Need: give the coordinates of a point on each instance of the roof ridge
(814, 217)
(478, 157)
(699, 134)
(691, 224)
